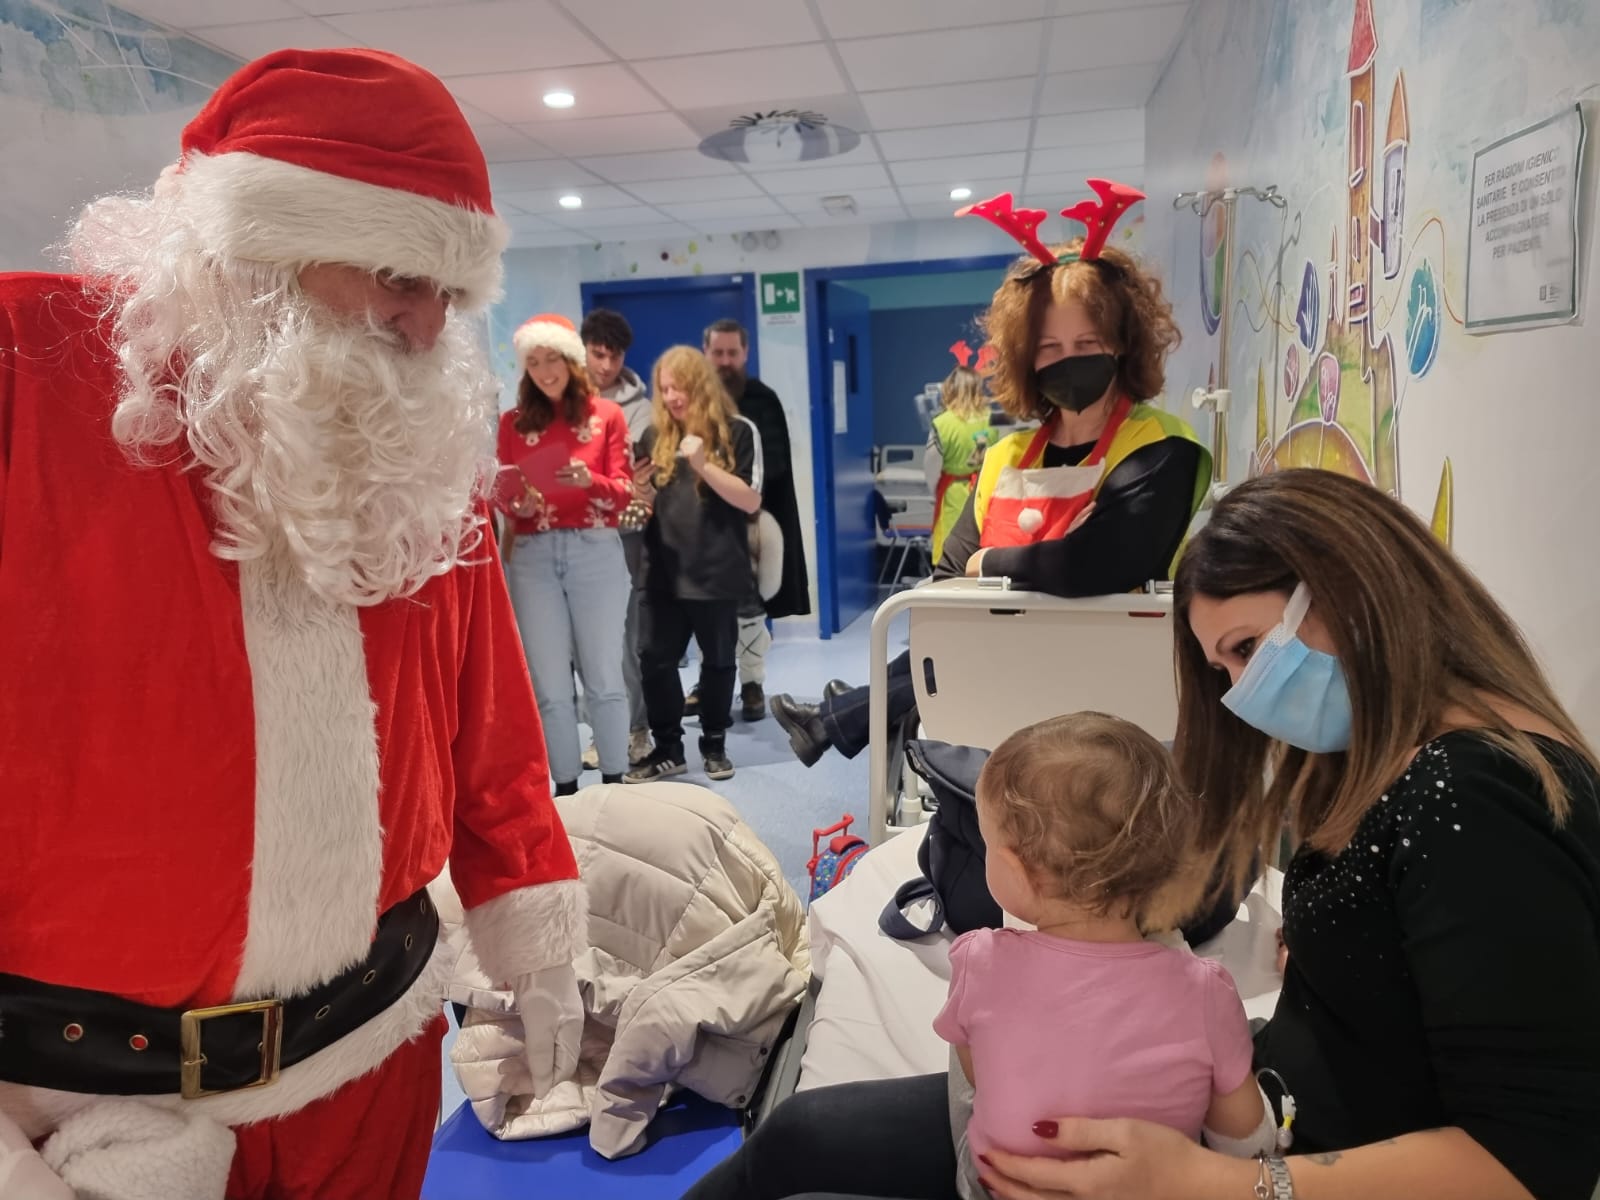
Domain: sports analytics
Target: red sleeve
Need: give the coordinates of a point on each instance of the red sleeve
(8, 340)
(507, 832)
(965, 958)
(614, 481)
(1227, 1030)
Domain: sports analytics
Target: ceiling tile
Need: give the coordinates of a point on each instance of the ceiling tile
(938, 192)
(1069, 160)
(191, 14)
(820, 219)
(755, 208)
(951, 171)
(884, 197)
(498, 140)
(1089, 128)
(917, 108)
(543, 241)
(325, 8)
(821, 180)
(632, 30)
(517, 97)
(476, 39)
(667, 164)
(544, 201)
(1111, 39)
(615, 135)
(526, 223)
(684, 191)
(865, 18)
(943, 56)
(760, 78)
(664, 231)
(611, 218)
(945, 140)
(1085, 91)
(262, 37)
(1056, 190)
(736, 225)
(536, 175)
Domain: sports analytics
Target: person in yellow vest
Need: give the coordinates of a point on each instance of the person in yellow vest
(956, 445)
(1098, 499)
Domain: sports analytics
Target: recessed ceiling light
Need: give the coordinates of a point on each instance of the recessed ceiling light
(961, 193)
(571, 202)
(560, 99)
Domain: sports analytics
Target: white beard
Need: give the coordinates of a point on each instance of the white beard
(321, 439)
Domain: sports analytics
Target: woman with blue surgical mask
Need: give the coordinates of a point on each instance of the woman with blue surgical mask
(1439, 1023)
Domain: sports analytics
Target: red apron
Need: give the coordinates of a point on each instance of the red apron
(1039, 504)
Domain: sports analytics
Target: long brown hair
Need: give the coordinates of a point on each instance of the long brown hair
(1124, 301)
(1416, 635)
(535, 412)
(710, 416)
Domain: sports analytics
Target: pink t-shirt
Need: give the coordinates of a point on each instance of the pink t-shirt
(1062, 1028)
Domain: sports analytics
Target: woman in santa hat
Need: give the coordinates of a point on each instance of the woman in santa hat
(565, 477)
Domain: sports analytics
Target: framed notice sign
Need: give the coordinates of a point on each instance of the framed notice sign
(1522, 255)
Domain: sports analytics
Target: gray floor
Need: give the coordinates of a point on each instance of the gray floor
(780, 799)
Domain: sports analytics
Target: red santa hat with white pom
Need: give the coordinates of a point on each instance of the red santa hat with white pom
(550, 330)
(343, 156)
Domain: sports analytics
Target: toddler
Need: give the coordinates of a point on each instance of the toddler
(1088, 834)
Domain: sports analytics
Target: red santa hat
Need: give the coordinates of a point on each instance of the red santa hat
(554, 332)
(343, 156)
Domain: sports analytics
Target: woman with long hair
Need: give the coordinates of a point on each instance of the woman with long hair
(704, 485)
(1338, 668)
(961, 433)
(565, 477)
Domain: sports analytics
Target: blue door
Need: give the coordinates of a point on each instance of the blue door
(672, 312)
(847, 419)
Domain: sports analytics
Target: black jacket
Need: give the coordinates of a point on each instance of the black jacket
(761, 406)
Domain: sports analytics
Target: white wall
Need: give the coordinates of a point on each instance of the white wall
(1263, 84)
(548, 280)
(88, 105)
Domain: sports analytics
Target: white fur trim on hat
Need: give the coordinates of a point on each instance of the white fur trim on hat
(534, 334)
(261, 209)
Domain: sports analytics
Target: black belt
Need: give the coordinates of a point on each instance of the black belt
(77, 1040)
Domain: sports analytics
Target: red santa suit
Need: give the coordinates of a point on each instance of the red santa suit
(214, 779)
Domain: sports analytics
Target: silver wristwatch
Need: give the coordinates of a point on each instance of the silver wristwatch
(1273, 1181)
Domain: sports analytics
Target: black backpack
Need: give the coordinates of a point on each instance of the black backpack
(951, 857)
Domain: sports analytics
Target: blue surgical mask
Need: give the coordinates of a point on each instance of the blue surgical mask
(1291, 692)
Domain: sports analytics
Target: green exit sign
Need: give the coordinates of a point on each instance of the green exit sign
(780, 293)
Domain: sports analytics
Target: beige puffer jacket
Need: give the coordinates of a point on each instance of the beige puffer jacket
(698, 953)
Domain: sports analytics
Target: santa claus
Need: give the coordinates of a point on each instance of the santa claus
(259, 676)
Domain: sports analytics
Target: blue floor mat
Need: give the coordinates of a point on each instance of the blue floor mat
(687, 1139)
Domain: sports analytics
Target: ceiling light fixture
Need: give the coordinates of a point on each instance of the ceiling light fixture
(571, 202)
(559, 99)
(776, 138)
(961, 193)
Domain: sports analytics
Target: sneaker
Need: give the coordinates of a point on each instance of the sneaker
(639, 746)
(658, 764)
(591, 758)
(716, 762)
(691, 705)
(753, 702)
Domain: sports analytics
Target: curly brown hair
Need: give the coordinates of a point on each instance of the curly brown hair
(1125, 302)
(710, 416)
(535, 412)
(1093, 807)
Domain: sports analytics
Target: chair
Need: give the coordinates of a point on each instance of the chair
(987, 660)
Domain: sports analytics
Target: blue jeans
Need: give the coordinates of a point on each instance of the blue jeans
(570, 590)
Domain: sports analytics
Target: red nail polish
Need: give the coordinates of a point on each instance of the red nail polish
(984, 1159)
(987, 1186)
(1046, 1129)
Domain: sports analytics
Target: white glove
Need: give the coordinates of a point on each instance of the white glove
(23, 1174)
(121, 1149)
(552, 1024)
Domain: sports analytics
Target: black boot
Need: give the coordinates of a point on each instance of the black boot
(835, 688)
(752, 702)
(803, 723)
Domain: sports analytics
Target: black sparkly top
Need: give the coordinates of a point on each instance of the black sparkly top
(1444, 970)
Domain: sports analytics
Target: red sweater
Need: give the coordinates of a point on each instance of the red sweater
(601, 442)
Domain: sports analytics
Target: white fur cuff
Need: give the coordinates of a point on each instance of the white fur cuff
(122, 1149)
(530, 929)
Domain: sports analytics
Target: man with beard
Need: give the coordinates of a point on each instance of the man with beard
(261, 677)
(727, 345)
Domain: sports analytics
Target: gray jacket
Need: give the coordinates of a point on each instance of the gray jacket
(629, 394)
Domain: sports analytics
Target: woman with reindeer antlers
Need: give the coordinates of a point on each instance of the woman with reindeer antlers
(1078, 338)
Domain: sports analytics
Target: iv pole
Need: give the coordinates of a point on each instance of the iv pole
(1217, 398)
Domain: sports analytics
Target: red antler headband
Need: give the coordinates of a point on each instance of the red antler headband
(986, 355)
(1097, 218)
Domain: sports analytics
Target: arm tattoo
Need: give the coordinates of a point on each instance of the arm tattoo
(1325, 1160)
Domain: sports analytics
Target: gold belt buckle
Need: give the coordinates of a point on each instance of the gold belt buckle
(194, 1059)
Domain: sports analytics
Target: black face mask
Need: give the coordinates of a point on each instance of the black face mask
(1076, 382)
